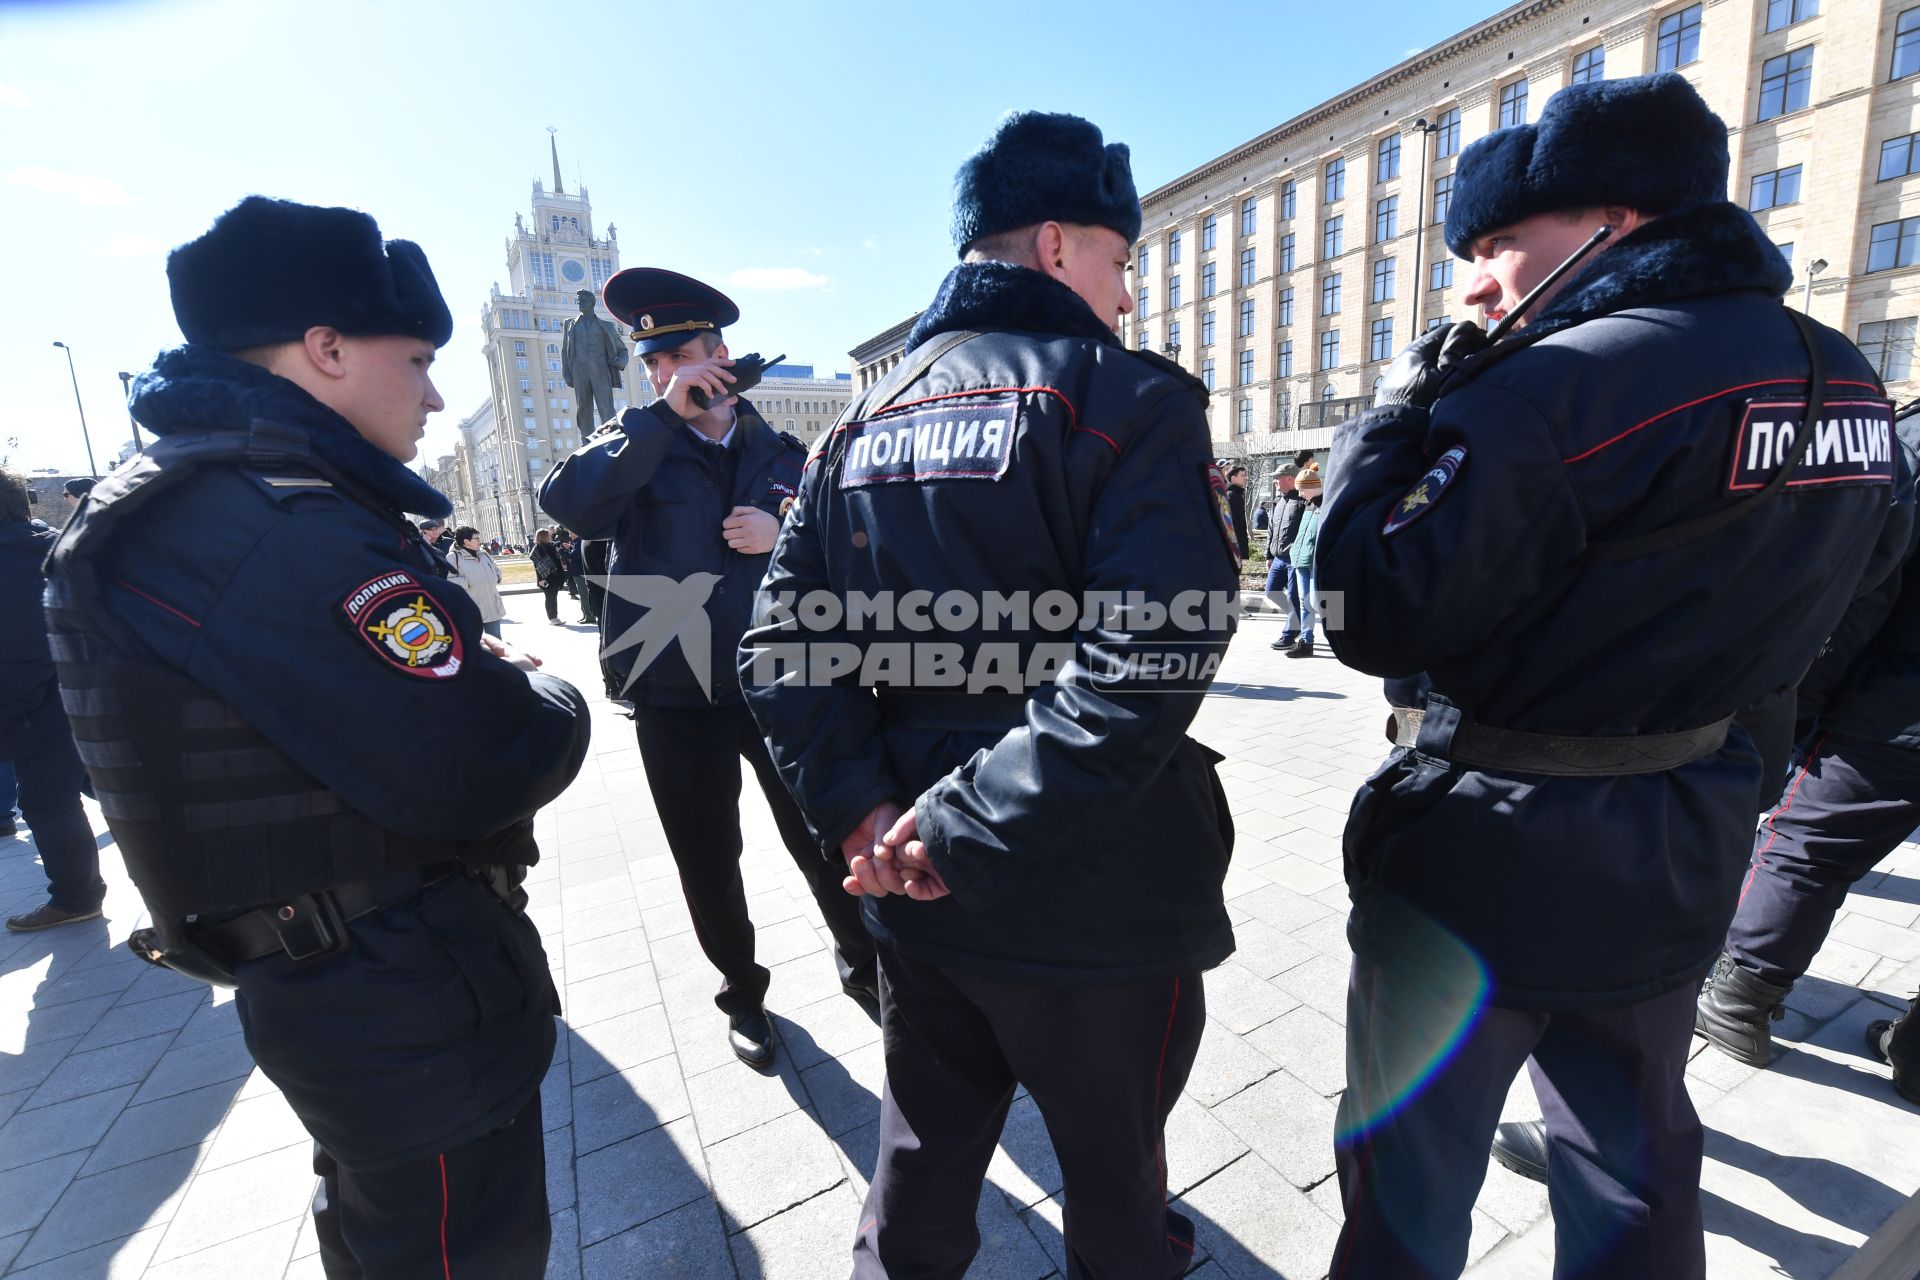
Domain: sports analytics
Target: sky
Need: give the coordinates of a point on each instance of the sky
(798, 156)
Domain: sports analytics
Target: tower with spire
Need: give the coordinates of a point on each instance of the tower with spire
(534, 422)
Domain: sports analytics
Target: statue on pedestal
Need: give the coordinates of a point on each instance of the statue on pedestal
(592, 360)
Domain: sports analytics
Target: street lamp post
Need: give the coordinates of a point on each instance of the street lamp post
(1172, 351)
(92, 469)
(1814, 268)
(1427, 129)
(126, 389)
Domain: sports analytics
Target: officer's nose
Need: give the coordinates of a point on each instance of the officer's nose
(434, 403)
(1482, 289)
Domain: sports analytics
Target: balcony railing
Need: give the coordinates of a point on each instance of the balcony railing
(1325, 413)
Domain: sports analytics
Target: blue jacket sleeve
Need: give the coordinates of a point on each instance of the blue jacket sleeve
(457, 756)
(1411, 598)
(1093, 741)
(594, 485)
(825, 739)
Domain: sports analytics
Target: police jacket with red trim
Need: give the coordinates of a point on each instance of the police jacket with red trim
(1084, 836)
(1866, 683)
(297, 594)
(1465, 542)
(661, 494)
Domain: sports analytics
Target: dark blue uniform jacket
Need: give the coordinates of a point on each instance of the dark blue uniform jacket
(28, 701)
(661, 496)
(436, 1026)
(1457, 538)
(1083, 834)
(1866, 683)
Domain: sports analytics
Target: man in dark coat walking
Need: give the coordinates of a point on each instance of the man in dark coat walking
(34, 735)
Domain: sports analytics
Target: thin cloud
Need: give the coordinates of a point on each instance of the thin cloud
(776, 278)
(869, 243)
(131, 244)
(86, 188)
(17, 99)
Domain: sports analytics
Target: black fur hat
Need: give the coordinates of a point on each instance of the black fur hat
(1044, 168)
(1648, 143)
(269, 270)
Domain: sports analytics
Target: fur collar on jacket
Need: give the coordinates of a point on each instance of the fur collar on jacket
(999, 295)
(197, 389)
(1707, 249)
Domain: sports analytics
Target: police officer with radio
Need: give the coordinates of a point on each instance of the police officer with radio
(691, 490)
(1040, 855)
(254, 644)
(1584, 537)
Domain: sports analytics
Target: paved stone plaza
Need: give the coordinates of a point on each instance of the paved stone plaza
(137, 1140)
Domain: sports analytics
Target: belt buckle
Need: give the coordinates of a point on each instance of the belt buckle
(309, 927)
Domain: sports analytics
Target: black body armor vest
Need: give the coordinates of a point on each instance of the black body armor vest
(211, 818)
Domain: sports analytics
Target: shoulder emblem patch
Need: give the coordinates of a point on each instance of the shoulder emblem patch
(1222, 507)
(1428, 490)
(405, 626)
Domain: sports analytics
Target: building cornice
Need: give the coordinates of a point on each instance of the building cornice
(883, 342)
(1498, 25)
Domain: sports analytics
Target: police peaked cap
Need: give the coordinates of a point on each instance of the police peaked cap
(1044, 168)
(269, 270)
(1648, 143)
(666, 309)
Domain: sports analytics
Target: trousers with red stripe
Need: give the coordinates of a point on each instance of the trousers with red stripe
(1848, 805)
(477, 1212)
(1102, 1064)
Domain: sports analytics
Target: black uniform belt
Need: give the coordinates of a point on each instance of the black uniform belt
(313, 924)
(953, 710)
(1518, 751)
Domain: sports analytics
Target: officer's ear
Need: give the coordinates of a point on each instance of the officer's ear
(324, 348)
(1623, 220)
(1050, 250)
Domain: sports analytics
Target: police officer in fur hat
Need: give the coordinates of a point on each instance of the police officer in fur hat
(1576, 555)
(238, 682)
(1040, 855)
(692, 492)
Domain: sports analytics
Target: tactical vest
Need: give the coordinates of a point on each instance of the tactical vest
(210, 817)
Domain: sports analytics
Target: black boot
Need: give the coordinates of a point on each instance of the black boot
(1302, 648)
(1733, 1012)
(1898, 1043)
(1522, 1147)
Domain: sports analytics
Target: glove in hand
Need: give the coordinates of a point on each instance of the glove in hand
(1416, 374)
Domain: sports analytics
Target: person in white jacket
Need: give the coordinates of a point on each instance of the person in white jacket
(475, 570)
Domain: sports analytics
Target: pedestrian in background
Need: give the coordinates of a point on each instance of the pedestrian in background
(1237, 506)
(549, 571)
(1283, 590)
(469, 565)
(1300, 558)
(34, 734)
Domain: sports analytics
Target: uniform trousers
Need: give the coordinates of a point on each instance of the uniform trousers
(51, 781)
(692, 757)
(1103, 1064)
(1848, 805)
(479, 1210)
(1427, 1075)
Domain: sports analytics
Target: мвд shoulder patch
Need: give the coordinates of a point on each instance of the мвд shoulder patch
(967, 437)
(1426, 491)
(404, 625)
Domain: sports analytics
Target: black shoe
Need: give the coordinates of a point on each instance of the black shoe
(865, 990)
(1734, 1009)
(751, 1037)
(1301, 649)
(1522, 1147)
(1898, 1044)
(48, 916)
(6, 827)
(1285, 642)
